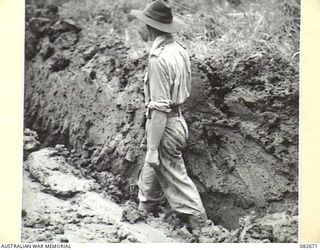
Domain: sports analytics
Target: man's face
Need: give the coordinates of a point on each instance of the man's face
(151, 33)
(144, 32)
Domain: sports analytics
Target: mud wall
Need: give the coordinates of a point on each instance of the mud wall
(87, 94)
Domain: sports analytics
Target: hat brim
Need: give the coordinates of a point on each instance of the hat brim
(174, 27)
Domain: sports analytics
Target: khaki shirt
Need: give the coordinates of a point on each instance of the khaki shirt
(168, 78)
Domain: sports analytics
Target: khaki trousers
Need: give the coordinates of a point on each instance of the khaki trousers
(171, 176)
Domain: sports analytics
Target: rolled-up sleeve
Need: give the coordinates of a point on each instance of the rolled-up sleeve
(159, 84)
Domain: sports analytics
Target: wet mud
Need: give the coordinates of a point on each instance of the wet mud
(84, 97)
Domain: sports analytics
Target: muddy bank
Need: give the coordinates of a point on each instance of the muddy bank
(61, 205)
(85, 91)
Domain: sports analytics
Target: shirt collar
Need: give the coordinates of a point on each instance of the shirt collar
(160, 41)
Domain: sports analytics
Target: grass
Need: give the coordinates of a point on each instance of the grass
(240, 29)
(249, 30)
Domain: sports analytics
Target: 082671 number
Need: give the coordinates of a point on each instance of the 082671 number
(308, 245)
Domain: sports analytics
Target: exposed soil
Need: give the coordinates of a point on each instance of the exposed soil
(60, 205)
(86, 93)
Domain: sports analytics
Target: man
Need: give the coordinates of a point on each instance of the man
(167, 86)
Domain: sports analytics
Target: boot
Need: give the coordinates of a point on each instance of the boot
(197, 221)
(149, 207)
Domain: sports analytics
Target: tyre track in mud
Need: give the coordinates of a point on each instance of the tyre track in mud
(82, 216)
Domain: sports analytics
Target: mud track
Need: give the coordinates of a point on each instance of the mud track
(61, 206)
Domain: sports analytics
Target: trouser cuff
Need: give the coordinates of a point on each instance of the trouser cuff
(148, 206)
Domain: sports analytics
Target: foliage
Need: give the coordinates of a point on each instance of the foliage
(254, 28)
(214, 28)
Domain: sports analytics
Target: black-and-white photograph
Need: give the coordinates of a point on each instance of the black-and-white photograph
(161, 121)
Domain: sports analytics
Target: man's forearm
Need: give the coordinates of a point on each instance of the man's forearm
(157, 125)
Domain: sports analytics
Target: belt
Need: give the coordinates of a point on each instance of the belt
(175, 112)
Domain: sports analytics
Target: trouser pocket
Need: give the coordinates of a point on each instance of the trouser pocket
(175, 134)
(184, 125)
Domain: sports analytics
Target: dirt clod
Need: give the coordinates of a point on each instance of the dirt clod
(59, 62)
(131, 213)
(30, 142)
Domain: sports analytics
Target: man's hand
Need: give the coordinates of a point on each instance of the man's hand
(152, 157)
(154, 130)
(143, 144)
